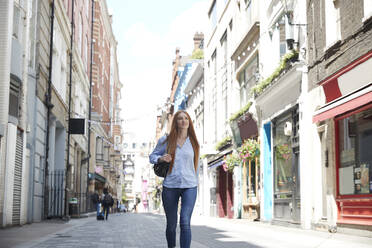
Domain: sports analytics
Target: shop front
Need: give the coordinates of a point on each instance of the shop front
(287, 197)
(349, 106)
(222, 194)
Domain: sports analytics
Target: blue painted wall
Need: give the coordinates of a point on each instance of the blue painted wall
(267, 173)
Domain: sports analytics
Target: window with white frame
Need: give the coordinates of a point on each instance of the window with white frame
(117, 140)
(63, 74)
(32, 34)
(212, 14)
(106, 152)
(282, 38)
(56, 67)
(333, 24)
(248, 10)
(224, 73)
(367, 6)
(247, 79)
(99, 148)
(214, 91)
(59, 74)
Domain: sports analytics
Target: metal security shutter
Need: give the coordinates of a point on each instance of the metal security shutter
(17, 179)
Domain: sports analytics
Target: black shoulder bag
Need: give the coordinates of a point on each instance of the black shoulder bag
(161, 168)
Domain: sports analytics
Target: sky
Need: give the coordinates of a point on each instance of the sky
(148, 33)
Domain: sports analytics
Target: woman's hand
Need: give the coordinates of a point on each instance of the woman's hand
(165, 158)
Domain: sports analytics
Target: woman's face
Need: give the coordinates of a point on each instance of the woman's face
(182, 121)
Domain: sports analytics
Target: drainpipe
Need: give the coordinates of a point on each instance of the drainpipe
(69, 101)
(49, 105)
(90, 100)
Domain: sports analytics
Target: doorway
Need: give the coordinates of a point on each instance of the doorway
(287, 197)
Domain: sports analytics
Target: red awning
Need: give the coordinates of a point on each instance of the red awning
(344, 107)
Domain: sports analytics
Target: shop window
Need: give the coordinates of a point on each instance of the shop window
(286, 155)
(283, 158)
(355, 153)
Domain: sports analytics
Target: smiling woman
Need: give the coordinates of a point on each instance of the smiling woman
(181, 149)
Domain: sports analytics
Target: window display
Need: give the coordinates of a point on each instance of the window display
(355, 153)
(283, 159)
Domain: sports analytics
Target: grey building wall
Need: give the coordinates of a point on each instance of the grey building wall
(6, 13)
(39, 161)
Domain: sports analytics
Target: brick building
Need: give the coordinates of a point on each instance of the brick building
(340, 62)
(106, 123)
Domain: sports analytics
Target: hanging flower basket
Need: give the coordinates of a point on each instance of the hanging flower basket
(283, 152)
(231, 160)
(249, 150)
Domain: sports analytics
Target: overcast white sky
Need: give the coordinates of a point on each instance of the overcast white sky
(148, 33)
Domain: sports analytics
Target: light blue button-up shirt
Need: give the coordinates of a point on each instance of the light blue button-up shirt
(183, 173)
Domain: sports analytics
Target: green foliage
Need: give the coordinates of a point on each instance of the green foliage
(123, 194)
(203, 156)
(283, 152)
(232, 160)
(241, 111)
(249, 150)
(259, 88)
(197, 54)
(124, 198)
(223, 142)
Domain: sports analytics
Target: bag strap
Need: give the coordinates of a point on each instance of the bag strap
(167, 151)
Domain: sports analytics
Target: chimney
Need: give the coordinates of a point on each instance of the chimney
(198, 37)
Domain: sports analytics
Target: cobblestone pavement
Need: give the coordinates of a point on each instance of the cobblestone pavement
(131, 230)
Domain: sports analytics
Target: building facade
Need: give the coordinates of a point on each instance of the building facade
(46, 90)
(14, 58)
(106, 133)
(339, 62)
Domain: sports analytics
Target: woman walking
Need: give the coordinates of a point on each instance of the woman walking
(181, 149)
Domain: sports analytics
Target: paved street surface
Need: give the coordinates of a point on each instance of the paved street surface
(132, 230)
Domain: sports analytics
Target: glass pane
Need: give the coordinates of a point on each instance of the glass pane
(355, 168)
(283, 159)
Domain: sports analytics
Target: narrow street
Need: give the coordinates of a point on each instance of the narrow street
(147, 230)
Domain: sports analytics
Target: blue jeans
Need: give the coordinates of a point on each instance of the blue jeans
(106, 211)
(170, 198)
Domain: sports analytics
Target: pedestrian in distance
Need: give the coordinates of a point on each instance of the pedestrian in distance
(181, 149)
(107, 202)
(96, 200)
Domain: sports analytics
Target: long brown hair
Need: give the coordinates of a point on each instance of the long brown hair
(172, 139)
